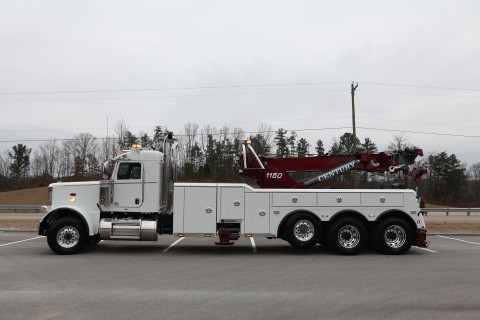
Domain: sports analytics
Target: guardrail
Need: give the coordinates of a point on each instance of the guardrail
(448, 210)
(24, 209)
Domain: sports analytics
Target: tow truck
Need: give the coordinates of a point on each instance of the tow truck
(138, 200)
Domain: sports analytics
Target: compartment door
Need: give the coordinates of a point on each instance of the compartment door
(257, 213)
(200, 210)
(232, 202)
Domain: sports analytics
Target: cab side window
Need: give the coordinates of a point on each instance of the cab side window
(129, 170)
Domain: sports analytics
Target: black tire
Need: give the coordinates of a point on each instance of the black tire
(347, 236)
(393, 236)
(66, 236)
(302, 231)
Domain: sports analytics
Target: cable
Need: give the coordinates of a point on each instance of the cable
(418, 122)
(272, 131)
(232, 94)
(178, 125)
(170, 96)
(420, 94)
(170, 88)
(418, 86)
(233, 86)
(422, 132)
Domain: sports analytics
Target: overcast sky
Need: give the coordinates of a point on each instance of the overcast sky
(67, 66)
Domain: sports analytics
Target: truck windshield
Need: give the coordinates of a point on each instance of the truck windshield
(129, 170)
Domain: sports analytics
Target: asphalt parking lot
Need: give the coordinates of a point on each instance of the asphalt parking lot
(261, 279)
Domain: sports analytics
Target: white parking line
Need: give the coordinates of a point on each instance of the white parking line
(7, 244)
(254, 247)
(459, 240)
(170, 246)
(426, 249)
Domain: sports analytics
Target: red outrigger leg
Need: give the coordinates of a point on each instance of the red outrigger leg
(422, 238)
(224, 236)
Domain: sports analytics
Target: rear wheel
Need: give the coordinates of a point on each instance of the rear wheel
(303, 231)
(66, 236)
(393, 236)
(347, 236)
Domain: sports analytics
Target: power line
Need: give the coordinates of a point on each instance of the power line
(232, 94)
(175, 125)
(171, 96)
(421, 94)
(419, 122)
(231, 86)
(245, 122)
(177, 135)
(273, 131)
(418, 86)
(170, 88)
(423, 132)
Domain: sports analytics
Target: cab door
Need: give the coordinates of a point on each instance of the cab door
(128, 185)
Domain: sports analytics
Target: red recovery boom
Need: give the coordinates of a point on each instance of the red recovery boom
(271, 172)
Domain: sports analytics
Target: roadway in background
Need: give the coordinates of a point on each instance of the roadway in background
(264, 279)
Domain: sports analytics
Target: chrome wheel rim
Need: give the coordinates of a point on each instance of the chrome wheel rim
(395, 236)
(304, 230)
(68, 237)
(348, 236)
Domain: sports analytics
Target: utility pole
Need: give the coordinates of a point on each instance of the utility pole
(355, 173)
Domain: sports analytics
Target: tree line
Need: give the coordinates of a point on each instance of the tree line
(209, 154)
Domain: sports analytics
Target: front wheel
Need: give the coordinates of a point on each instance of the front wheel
(303, 231)
(66, 236)
(393, 236)
(347, 236)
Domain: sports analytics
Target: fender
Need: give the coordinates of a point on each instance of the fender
(400, 214)
(350, 212)
(395, 212)
(58, 213)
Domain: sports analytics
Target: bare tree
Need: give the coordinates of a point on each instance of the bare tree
(48, 153)
(224, 133)
(474, 177)
(400, 142)
(121, 129)
(64, 161)
(37, 164)
(4, 163)
(81, 147)
(237, 134)
(190, 138)
(107, 148)
(267, 133)
(205, 133)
